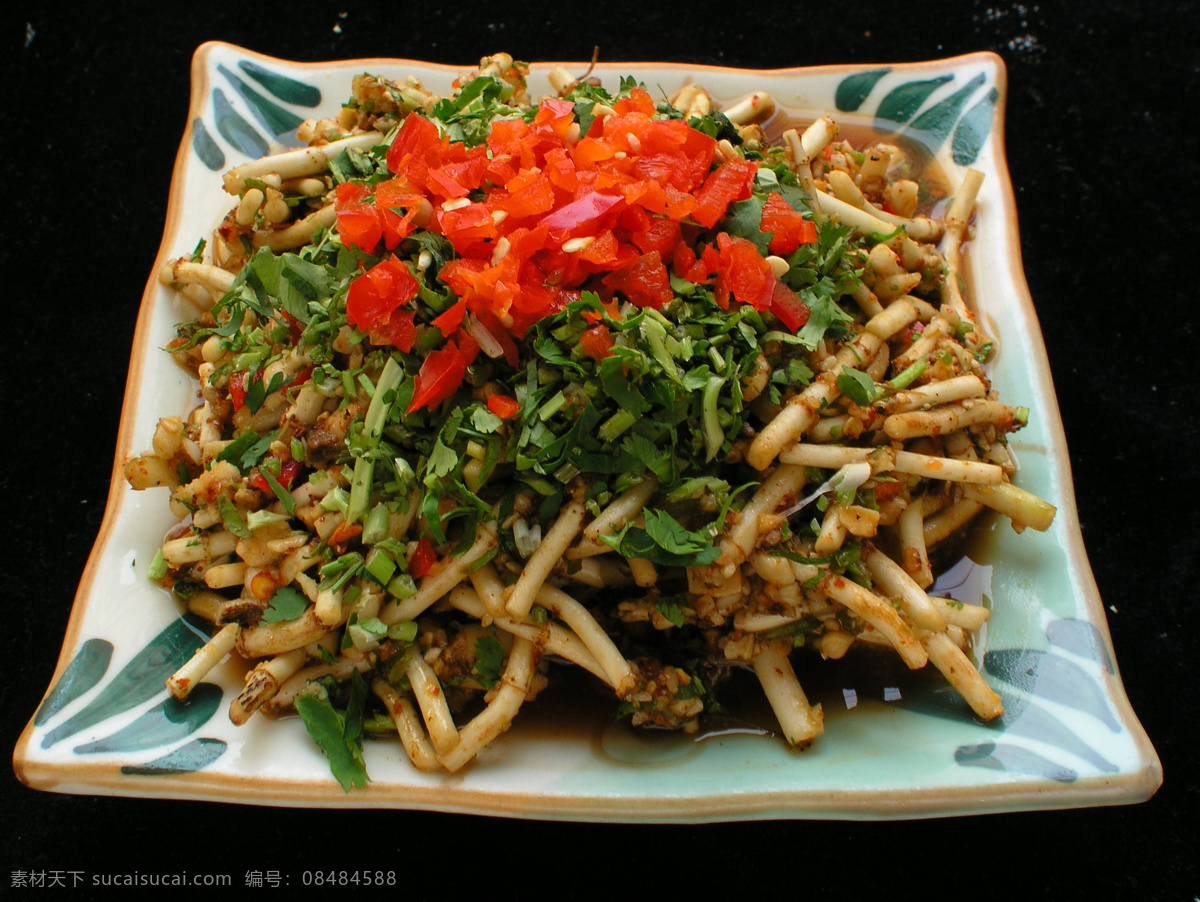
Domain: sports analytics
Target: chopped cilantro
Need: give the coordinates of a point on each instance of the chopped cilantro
(857, 386)
(339, 733)
(247, 449)
(287, 603)
(665, 541)
(489, 656)
(670, 610)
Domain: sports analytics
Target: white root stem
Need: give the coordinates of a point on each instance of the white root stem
(801, 722)
(295, 163)
(184, 680)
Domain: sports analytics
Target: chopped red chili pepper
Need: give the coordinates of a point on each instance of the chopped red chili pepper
(503, 406)
(789, 228)
(441, 374)
(373, 301)
(421, 559)
(237, 390)
(597, 342)
(288, 471)
(788, 308)
(743, 273)
(723, 186)
(628, 186)
(645, 281)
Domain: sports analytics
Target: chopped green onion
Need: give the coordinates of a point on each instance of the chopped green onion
(380, 565)
(335, 500)
(340, 571)
(714, 435)
(375, 529)
(360, 488)
(909, 374)
(404, 631)
(551, 407)
(566, 473)
(158, 567)
(656, 337)
(402, 586)
(381, 403)
(611, 428)
(255, 519)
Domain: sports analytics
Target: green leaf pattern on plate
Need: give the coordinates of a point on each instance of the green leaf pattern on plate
(236, 130)
(206, 147)
(973, 129)
(934, 125)
(1047, 675)
(1081, 638)
(854, 89)
(904, 100)
(169, 721)
(1034, 685)
(287, 89)
(1014, 759)
(195, 755)
(140, 680)
(274, 120)
(271, 116)
(903, 109)
(85, 670)
(1028, 677)
(1023, 719)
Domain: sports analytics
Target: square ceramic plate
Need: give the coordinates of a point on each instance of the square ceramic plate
(902, 747)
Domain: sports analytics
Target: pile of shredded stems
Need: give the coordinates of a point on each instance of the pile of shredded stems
(490, 388)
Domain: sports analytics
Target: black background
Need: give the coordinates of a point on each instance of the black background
(1103, 163)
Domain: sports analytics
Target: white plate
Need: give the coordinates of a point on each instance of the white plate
(1069, 737)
